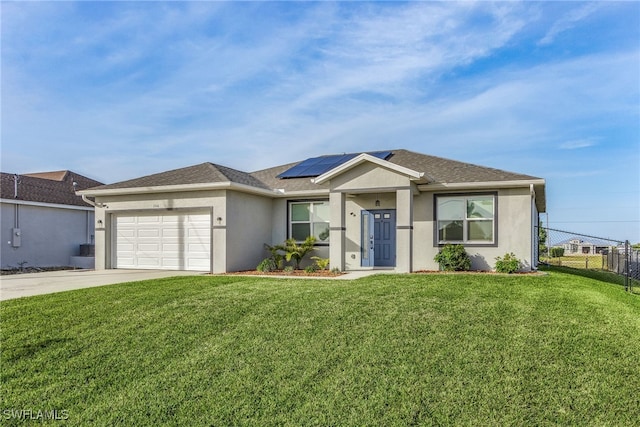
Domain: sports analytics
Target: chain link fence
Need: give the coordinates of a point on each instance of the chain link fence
(582, 251)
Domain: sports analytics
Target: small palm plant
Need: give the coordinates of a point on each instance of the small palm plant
(321, 263)
(297, 252)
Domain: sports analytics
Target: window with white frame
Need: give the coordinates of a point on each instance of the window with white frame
(467, 219)
(309, 219)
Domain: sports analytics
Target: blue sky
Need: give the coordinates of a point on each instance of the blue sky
(117, 90)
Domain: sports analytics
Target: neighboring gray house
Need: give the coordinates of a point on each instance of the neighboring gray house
(43, 221)
(391, 209)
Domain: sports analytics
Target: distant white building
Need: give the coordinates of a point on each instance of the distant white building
(576, 246)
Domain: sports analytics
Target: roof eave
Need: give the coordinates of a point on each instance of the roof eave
(480, 184)
(302, 193)
(226, 185)
(537, 184)
(46, 204)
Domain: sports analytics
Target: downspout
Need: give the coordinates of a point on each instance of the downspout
(16, 211)
(95, 205)
(535, 233)
(87, 201)
(532, 191)
(88, 221)
(92, 203)
(15, 232)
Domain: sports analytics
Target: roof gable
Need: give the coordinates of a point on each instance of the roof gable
(364, 158)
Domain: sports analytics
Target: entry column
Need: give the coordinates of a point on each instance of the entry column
(404, 230)
(337, 230)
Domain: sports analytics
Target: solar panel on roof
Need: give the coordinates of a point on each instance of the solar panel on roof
(317, 166)
(382, 155)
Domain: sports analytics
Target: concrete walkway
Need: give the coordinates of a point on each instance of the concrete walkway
(29, 284)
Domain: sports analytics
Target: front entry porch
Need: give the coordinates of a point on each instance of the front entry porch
(372, 230)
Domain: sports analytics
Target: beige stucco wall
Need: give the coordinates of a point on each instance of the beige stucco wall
(514, 231)
(514, 222)
(369, 177)
(423, 227)
(249, 220)
(279, 221)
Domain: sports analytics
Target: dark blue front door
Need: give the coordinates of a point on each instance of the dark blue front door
(379, 238)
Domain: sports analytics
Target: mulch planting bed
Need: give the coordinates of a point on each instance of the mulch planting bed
(298, 273)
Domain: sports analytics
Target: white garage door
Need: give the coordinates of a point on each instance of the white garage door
(165, 242)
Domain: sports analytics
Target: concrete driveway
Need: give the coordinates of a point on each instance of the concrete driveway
(29, 284)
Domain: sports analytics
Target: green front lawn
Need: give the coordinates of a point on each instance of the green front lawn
(386, 350)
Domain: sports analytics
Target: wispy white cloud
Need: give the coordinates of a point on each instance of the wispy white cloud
(570, 20)
(577, 144)
(185, 83)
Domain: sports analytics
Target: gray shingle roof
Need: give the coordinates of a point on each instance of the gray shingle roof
(435, 169)
(46, 187)
(443, 170)
(197, 174)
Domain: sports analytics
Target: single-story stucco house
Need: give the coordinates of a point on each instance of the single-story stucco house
(578, 246)
(43, 222)
(385, 209)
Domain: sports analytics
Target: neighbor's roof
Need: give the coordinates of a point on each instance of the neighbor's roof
(53, 175)
(435, 170)
(46, 187)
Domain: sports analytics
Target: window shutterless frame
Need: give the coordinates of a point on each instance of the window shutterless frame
(308, 218)
(470, 219)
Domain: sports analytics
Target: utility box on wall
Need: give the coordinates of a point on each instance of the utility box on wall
(16, 238)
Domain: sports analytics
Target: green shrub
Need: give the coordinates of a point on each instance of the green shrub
(266, 265)
(288, 269)
(453, 258)
(321, 263)
(557, 252)
(311, 269)
(335, 270)
(276, 256)
(507, 264)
